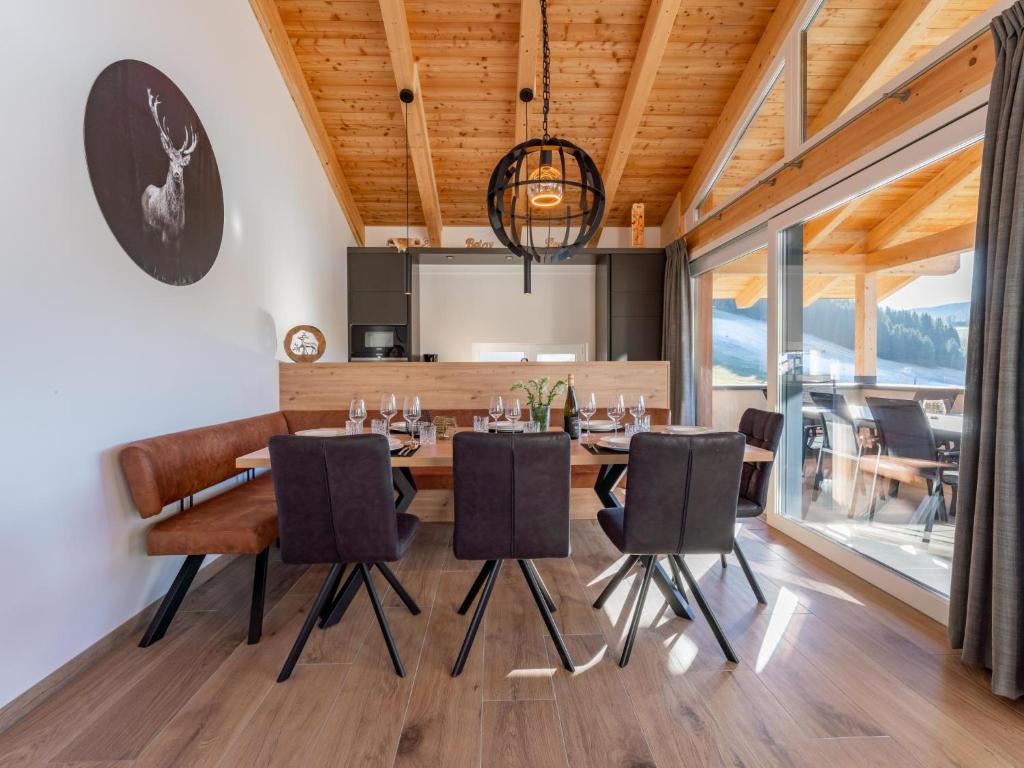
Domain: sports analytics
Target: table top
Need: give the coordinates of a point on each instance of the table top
(440, 455)
(948, 423)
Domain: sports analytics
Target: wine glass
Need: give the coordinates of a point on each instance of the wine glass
(411, 413)
(616, 411)
(497, 408)
(637, 409)
(388, 409)
(587, 410)
(514, 412)
(357, 411)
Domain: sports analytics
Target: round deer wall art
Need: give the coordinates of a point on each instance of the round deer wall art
(154, 173)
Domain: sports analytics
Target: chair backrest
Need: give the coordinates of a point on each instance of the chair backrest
(682, 493)
(335, 499)
(762, 429)
(161, 470)
(903, 428)
(511, 495)
(833, 401)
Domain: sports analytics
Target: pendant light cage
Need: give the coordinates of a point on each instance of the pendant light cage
(545, 199)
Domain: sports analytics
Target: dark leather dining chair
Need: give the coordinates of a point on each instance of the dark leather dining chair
(511, 503)
(681, 501)
(762, 429)
(336, 504)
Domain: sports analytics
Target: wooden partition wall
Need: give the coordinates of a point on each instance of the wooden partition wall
(330, 386)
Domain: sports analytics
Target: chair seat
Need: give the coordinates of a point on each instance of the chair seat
(407, 527)
(747, 508)
(612, 523)
(240, 521)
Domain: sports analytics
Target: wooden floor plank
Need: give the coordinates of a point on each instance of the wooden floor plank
(522, 734)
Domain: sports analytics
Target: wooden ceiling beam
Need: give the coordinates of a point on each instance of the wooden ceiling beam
(786, 14)
(889, 284)
(817, 231)
(661, 18)
(269, 19)
(903, 28)
(903, 257)
(815, 287)
(755, 289)
(526, 71)
(962, 167)
(403, 63)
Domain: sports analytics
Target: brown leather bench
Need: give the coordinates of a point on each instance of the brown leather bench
(243, 520)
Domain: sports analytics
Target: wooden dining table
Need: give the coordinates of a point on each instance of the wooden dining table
(582, 453)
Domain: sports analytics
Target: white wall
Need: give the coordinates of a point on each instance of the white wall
(463, 304)
(98, 352)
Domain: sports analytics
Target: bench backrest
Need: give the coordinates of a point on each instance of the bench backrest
(160, 470)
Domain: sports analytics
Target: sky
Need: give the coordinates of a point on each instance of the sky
(933, 290)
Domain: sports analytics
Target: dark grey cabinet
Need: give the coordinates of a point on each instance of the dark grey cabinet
(629, 304)
(378, 287)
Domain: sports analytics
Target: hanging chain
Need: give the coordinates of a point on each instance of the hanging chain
(547, 66)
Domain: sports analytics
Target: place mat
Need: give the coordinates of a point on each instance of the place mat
(599, 451)
(408, 454)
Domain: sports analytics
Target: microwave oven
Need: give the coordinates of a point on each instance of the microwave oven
(378, 342)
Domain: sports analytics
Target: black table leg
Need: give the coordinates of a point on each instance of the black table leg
(607, 479)
(675, 598)
(405, 486)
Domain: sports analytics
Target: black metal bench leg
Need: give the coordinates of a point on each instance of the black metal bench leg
(385, 628)
(754, 585)
(474, 623)
(530, 574)
(396, 585)
(691, 582)
(345, 596)
(475, 589)
(322, 598)
(165, 613)
(543, 587)
(259, 592)
(616, 580)
(638, 609)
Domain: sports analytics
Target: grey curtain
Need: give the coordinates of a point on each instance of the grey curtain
(986, 607)
(677, 332)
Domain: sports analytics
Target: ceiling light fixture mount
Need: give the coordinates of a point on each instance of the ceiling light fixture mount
(542, 184)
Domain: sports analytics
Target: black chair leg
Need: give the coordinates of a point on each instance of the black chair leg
(344, 598)
(725, 564)
(616, 580)
(323, 596)
(530, 574)
(723, 641)
(543, 587)
(478, 614)
(326, 610)
(385, 629)
(259, 591)
(638, 609)
(751, 578)
(396, 585)
(165, 613)
(475, 589)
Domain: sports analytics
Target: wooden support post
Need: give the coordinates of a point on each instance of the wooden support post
(637, 224)
(702, 347)
(865, 333)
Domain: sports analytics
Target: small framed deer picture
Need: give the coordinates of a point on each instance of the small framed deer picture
(154, 173)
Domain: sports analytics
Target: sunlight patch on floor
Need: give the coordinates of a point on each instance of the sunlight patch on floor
(782, 613)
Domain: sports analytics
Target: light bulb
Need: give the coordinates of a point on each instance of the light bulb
(546, 188)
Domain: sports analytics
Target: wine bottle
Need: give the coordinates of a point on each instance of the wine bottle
(571, 412)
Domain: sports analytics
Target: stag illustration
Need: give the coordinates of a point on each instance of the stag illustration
(304, 344)
(163, 208)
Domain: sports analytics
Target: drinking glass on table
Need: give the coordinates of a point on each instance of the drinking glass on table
(496, 410)
(357, 411)
(587, 410)
(480, 423)
(616, 411)
(353, 427)
(411, 413)
(379, 427)
(428, 433)
(514, 412)
(531, 427)
(388, 409)
(637, 409)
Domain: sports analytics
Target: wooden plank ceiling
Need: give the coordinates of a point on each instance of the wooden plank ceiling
(463, 57)
(915, 225)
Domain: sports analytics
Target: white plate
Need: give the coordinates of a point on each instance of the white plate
(619, 443)
(322, 432)
(678, 429)
(399, 426)
(601, 425)
(507, 426)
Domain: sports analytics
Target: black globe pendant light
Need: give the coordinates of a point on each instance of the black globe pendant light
(546, 187)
